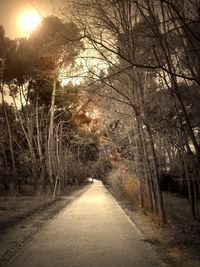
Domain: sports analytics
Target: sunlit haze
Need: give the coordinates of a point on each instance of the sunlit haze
(19, 17)
(28, 21)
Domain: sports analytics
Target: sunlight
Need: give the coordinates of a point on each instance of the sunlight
(29, 20)
(89, 62)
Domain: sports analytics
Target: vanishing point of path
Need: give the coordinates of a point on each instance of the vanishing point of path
(92, 231)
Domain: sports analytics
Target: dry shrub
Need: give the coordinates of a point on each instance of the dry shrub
(124, 182)
(147, 202)
(115, 180)
(131, 187)
(27, 190)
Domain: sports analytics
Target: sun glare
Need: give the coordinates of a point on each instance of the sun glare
(29, 20)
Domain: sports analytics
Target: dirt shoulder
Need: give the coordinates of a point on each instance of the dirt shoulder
(177, 242)
(17, 230)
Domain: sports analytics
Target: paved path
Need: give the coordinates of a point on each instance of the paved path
(92, 231)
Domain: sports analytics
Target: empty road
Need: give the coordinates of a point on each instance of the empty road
(92, 231)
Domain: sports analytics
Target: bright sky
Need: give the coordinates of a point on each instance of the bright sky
(11, 11)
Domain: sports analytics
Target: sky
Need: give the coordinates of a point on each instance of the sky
(10, 11)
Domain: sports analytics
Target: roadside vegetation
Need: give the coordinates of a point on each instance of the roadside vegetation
(150, 96)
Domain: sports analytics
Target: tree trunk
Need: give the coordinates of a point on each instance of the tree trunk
(9, 131)
(51, 134)
(161, 210)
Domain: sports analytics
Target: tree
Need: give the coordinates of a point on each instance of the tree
(54, 41)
